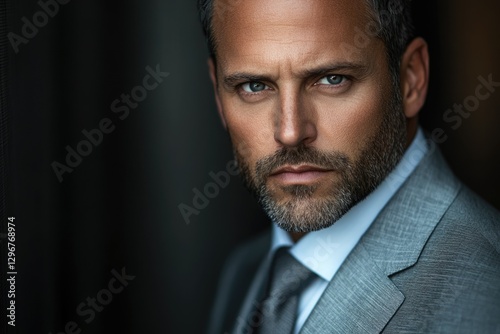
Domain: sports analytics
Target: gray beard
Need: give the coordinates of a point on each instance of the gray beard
(305, 213)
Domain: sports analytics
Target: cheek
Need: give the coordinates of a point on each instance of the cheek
(251, 132)
(346, 125)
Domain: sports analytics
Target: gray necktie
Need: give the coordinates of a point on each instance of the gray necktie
(279, 307)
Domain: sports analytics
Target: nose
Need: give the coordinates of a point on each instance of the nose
(294, 123)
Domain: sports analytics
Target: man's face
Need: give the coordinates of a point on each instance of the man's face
(315, 126)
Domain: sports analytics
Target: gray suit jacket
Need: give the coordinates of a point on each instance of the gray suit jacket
(430, 263)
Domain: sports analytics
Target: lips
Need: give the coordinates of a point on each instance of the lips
(299, 174)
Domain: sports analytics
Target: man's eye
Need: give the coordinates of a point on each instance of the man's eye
(253, 87)
(332, 80)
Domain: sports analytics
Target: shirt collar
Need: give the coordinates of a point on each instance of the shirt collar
(324, 251)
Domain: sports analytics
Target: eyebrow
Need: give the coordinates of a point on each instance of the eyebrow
(331, 68)
(238, 77)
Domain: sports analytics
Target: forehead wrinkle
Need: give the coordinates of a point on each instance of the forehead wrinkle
(268, 17)
(224, 13)
(256, 42)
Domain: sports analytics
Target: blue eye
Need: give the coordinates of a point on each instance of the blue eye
(332, 80)
(253, 87)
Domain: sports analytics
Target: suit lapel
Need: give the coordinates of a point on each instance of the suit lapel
(361, 298)
(355, 300)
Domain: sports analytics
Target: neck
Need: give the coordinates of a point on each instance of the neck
(296, 236)
(411, 130)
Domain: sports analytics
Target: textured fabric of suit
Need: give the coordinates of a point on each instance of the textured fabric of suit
(430, 263)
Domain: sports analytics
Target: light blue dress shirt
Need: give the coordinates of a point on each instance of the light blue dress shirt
(324, 251)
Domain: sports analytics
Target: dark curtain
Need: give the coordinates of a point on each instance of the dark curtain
(111, 128)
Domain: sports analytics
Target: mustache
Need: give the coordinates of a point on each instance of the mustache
(298, 156)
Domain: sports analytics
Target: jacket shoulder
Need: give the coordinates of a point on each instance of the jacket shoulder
(455, 285)
(474, 216)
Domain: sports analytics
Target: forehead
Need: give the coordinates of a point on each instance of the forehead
(289, 30)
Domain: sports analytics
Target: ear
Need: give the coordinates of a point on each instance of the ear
(213, 76)
(415, 76)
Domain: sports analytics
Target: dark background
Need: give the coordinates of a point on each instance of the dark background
(119, 207)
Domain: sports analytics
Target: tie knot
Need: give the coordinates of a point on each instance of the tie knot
(288, 277)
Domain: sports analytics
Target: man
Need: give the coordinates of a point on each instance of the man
(371, 231)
